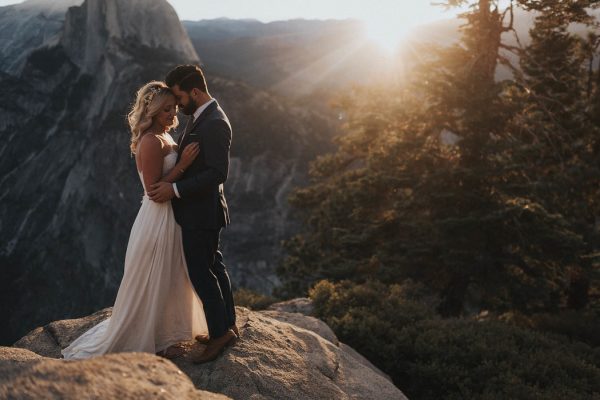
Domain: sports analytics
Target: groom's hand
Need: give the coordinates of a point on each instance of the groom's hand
(161, 192)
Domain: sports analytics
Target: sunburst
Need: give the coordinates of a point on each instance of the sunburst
(388, 34)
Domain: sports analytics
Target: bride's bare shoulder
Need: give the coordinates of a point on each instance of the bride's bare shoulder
(150, 143)
(151, 139)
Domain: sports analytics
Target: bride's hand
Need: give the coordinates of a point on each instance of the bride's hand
(189, 154)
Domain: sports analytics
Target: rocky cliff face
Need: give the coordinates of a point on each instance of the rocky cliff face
(26, 26)
(111, 28)
(280, 355)
(72, 192)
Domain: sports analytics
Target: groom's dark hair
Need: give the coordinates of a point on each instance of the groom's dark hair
(187, 77)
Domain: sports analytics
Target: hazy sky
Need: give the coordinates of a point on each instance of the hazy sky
(271, 10)
(404, 11)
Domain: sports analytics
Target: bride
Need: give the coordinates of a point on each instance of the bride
(156, 306)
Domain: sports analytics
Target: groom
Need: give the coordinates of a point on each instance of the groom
(199, 204)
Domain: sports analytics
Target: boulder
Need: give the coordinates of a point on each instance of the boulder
(276, 357)
(26, 375)
(300, 305)
(50, 339)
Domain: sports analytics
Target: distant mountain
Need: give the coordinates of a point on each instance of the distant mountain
(293, 58)
(71, 189)
(301, 58)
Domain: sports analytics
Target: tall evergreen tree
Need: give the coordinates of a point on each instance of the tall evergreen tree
(555, 129)
(396, 201)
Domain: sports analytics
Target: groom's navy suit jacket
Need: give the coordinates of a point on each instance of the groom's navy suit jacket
(202, 204)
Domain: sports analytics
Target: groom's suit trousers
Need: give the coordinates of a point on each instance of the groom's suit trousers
(209, 277)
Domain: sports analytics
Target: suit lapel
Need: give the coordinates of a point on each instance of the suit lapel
(190, 126)
(207, 111)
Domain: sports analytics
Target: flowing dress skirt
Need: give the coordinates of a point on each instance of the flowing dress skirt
(156, 305)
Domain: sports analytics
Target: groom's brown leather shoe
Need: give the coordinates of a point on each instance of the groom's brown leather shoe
(204, 339)
(215, 347)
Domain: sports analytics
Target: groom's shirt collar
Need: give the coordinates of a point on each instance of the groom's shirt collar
(202, 108)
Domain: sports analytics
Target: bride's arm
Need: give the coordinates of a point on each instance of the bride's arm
(188, 155)
(152, 158)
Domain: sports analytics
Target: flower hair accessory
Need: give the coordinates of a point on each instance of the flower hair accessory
(153, 92)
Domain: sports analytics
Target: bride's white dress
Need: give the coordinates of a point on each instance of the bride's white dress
(156, 305)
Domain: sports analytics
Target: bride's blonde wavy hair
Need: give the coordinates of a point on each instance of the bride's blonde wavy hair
(149, 99)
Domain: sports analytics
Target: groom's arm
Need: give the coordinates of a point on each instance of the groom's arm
(216, 144)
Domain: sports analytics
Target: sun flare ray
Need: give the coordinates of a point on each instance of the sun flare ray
(386, 33)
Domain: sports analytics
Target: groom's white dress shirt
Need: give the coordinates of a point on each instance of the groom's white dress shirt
(196, 115)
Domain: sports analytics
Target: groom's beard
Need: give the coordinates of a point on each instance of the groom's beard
(191, 107)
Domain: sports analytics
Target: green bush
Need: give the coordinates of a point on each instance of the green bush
(457, 358)
(254, 301)
(577, 325)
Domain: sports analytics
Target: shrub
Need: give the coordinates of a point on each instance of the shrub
(577, 325)
(456, 358)
(254, 301)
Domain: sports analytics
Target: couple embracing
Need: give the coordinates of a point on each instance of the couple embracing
(175, 285)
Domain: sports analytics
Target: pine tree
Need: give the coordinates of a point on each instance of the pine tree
(555, 129)
(396, 202)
